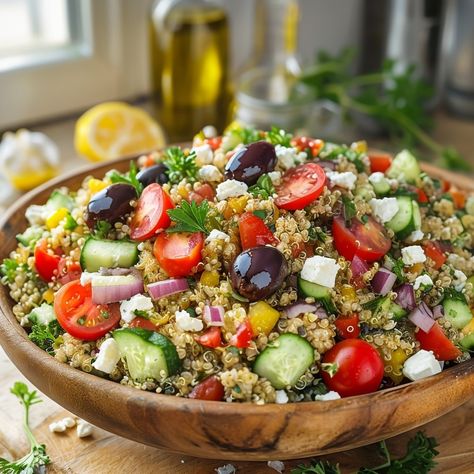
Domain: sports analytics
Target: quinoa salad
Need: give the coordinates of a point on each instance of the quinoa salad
(252, 267)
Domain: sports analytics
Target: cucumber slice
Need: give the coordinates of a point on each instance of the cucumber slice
(456, 309)
(405, 168)
(57, 200)
(43, 314)
(381, 187)
(416, 215)
(318, 292)
(397, 311)
(407, 219)
(97, 253)
(148, 354)
(285, 360)
(467, 342)
(30, 236)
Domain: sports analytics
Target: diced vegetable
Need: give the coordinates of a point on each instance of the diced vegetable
(383, 281)
(98, 253)
(59, 200)
(262, 317)
(114, 288)
(30, 236)
(241, 339)
(211, 337)
(213, 315)
(435, 340)
(161, 289)
(407, 219)
(405, 296)
(294, 310)
(456, 309)
(405, 168)
(422, 316)
(43, 314)
(318, 292)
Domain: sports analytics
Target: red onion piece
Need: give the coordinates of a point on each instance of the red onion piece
(160, 289)
(438, 311)
(214, 315)
(383, 281)
(114, 288)
(422, 316)
(358, 267)
(298, 308)
(321, 313)
(405, 296)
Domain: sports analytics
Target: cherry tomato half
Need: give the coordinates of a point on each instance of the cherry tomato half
(380, 162)
(209, 389)
(433, 251)
(300, 186)
(314, 145)
(150, 216)
(214, 142)
(356, 368)
(141, 322)
(422, 197)
(254, 232)
(211, 337)
(178, 253)
(79, 316)
(366, 240)
(46, 261)
(243, 336)
(347, 327)
(435, 340)
(204, 192)
(68, 271)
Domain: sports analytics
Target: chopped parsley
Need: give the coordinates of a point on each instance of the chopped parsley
(128, 178)
(189, 217)
(349, 210)
(180, 165)
(277, 136)
(102, 228)
(46, 336)
(263, 187)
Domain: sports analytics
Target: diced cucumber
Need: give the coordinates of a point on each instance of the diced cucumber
(318, 292)
(405, 168)
(381, 187)
(97, 253)
(58, 199)
(43, 314)
(407, 219)
(148, 354)
(456, 309)
(467, 342)
(416, 215)
(397, 311)
(30, 236)
(284, 360)
(365, 191)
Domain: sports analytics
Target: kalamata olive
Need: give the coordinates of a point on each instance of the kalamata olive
(250, 162)
(258, 272)
(153, 174)
(112, 204)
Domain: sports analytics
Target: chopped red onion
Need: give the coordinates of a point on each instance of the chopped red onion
(321, 313)
(300, 307)
(422, 316)
(405, 296)
(114, 288)
(358, 267)
(214, 315)
(160, 289)
(383, 281)
(438, 311)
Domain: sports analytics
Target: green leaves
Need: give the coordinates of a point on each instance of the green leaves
(349, 210)
(8, 269)
(128, 178)
(189, 217)
(101, 230)
(277, 136)
(45, 336)
(180, 165)
(263, 187)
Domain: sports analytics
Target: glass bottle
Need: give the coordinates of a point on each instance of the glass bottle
(189, 43)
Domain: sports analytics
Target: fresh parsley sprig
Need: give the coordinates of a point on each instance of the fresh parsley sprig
(45, 336)
(8, 269)
(189, 217)
(349, 210)
(180, 165)
(36, 460)
(277, 136)
(263, 187)
(128, 178)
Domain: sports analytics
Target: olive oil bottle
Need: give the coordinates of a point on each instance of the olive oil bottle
(189, 42)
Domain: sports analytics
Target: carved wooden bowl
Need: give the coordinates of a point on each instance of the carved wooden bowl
(231, 431)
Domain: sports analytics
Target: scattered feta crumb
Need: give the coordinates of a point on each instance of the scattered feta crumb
(328, 396)
(209, 131)
(69, 421)
(415, 236)
(226, 469)
(204, 154)
(421, 365)
(413, 254)
(109, 355)
(57, 427)
(376, 178)
(230, 188)
(275, 176)
(422, 281)
(36, 215)
(320, 270)
(277, 466)
(135, 303)
(346, 180)
(84, 429)
(384, 209)
(210, 173)
(289, 157)
(281, 397)
(217, 235)
(187, 323)
(459, 281)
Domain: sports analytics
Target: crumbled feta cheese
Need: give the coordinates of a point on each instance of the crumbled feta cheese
(277, 466)
(36, 215)
(86, 278)
(281, 397)
(226, 469)
(459, 281)
(204, 154)
(415, 236)
(187, 323)
(109, 355)
(413, 254)
(328, 396)
(320, 270)
(135, 303)
(210, 173)
(346, 180)
(376, 178)
(421, 365)
(83, 429)
(275, 176)
(217, 235)
(422, 281)
(209, 131)
(57, 427)
(289, 157)
(384, 209)
(69, 422)
(231, 188)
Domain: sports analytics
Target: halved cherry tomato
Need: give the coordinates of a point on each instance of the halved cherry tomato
(79, 316)
(150, 215)
(347, 327)
(380, 162)
(214, 142)
(459, 198)
(314, 145)
(178, 253)
(46, 261)
(422, 197)
(445, 185)
(254, 232)
(435, 340)
(366, 240)
(211, 337)
(209, 389)
(356, 368)
(300, 186)
(243, 336)
(433, 250)
(140, 322)
(204, 192)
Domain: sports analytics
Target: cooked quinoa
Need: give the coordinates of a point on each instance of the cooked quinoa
(334, 283)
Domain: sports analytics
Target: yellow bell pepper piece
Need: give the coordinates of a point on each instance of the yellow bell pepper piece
(96, 185)
(48, 296)
(396, 363)
(468, 328)
(56, 217)
(360, 146)
(262, 317)
(210, 278)
(348, 292)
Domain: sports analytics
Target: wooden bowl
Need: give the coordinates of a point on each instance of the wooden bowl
(231, 431)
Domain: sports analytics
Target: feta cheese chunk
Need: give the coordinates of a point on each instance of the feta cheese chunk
(346, 180)
(187, 323)
(281, 397)
(210, 173)
(384, 209)
(422, 281)
(230, 188)
(413, 254)
(57, 427)
(84, 429)
(135, 303)
(421, 365)
(204, 154)
(415, 236)
(217, 235)
(320, 270)
(459, 281)
(289, 157)
(376, 178)
(109, 355)
(328, 396)
(275, 176)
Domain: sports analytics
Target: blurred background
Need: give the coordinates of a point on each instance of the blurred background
(337, 70)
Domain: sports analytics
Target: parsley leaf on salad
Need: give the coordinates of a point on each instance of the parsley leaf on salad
(189, 217)
(263, 187)
(128, 178)
(180, 165)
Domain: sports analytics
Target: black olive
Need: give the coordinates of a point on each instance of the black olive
(112, 204)
(250, 162)
(153, 174)
(258, 272)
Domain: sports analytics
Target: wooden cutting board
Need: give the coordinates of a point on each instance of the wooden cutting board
(105, 453)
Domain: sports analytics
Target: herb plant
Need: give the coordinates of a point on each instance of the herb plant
(263, 187)
(189, 217)
(128, 178)
(45, 336)
(180, 165)
(277, 136)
